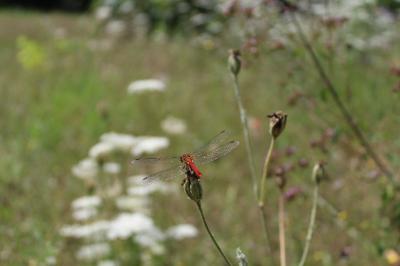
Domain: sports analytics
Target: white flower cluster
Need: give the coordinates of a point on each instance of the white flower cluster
(132, 200)
(111, 143)
(144, 85)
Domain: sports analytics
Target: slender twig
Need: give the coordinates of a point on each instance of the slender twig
(245, 127)
(282, 243)
(264, 173)
(210, 234)
(311, 226)
(343, 109)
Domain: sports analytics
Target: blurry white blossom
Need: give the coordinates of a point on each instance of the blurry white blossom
(121, 142)
(182, 231)
(132, 203)
(151, 241)
(86, 202)
(101, 149)
(107, 263)
(146, 85)
(103, 13)
(145, 189)
(97, 228)
(173, 125)
(115, 27)
(85, 169)
(112, 168)
(84, 214)
(92, 252)
(127, 224)
(149, 145)
(126, 7)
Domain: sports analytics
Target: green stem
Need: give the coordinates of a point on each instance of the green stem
(282, 242)
(311, 226)
(265, 172)
(210, 234)
(245, 127)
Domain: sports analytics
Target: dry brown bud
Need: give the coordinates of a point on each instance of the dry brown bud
(277, 123)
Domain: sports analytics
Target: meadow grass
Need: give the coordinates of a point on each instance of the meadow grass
(51, 115)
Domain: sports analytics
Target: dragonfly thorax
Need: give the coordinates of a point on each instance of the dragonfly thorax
(187, 159)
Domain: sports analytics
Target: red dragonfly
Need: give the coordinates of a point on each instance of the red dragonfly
(187, 163)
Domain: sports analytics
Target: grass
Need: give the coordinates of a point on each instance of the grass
(49, 118)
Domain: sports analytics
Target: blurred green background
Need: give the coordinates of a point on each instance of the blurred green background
(63, 84)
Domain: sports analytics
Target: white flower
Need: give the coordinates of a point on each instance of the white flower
(86, 169)
(127, 224)
(182, 231)
(122, 142)
(149, 145)
(126, 7)
(151, 241)
(85, 231)
(101, 150)
(132, 203)
(107, 263)
(115, 27)
(103, 13)
(93, 251)
(146, 85)
(86, 202)
(146, 189)
(112, 168)
(173, 125)
(84, 214)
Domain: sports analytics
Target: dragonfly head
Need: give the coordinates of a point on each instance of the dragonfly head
(186, 158)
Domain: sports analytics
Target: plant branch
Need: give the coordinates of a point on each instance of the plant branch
(282, 243)
(311, 226)
(265, 172)
(245, 127)
(210, 234)
(343, 109)
(243, 120)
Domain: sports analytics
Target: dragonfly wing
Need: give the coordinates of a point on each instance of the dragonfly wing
(216, 153)
(214, 142)
(166, 174)
(156, 161)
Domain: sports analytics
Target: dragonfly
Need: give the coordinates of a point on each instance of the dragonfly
(187, 163)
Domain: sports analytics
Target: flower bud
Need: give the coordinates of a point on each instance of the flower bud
(318, 173)
(277, 123)
(193, 189)
(234, 61)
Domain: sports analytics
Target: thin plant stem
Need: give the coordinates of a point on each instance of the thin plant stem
(210, 234)
(343, 109)
(245, 127)
(282, 242)
(261, 198)
(311, 226)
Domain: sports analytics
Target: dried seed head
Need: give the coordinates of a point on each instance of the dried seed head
(234, 61)
(193, 189)
(281, 182)
(318, 172)
(277, 123)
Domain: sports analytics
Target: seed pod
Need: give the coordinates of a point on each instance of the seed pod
(277, 123)
(193, 189)
(234, 61)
